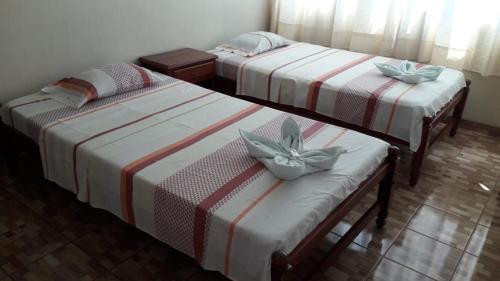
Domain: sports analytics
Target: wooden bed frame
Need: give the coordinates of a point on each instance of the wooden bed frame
(283, 265)
(457, 105)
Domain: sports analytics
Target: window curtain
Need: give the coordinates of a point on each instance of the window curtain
(460, 34)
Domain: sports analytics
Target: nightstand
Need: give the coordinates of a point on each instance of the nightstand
(185, 64)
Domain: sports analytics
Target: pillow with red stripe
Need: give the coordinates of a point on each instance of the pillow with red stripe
(254, 43)
(99, 82)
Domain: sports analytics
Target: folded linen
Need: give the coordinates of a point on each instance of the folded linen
(287, 159)
(408, 72)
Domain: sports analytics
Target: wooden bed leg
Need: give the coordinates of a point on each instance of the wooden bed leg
(459, 109)
(418, 157)
(384, 191)
(279, 267)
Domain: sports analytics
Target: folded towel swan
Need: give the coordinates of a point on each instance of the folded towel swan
(408, 72)
(287, 159)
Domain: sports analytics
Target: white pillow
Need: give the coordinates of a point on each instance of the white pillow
(100, 82)
(253, 43)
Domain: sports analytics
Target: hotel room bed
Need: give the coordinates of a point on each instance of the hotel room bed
(345, 88)
(169, 159)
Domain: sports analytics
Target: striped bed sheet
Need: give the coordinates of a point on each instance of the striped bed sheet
(169, 160)
(341, 84)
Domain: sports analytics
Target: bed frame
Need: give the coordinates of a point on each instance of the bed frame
(456, 105)
(283, 265)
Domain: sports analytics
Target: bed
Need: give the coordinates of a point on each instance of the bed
(169, 160)
(345, 88)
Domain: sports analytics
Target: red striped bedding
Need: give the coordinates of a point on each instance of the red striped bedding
(341, 84)
(169, 160)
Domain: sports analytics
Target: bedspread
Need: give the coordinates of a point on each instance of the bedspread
(341, 84)
(169, 160)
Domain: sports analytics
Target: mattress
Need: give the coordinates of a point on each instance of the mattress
(341, 84)
(169, 159)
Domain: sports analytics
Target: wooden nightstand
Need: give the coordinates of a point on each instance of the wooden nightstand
(185, 64)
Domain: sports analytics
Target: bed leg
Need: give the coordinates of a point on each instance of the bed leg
(459, 109)
(279, 267)
(384, 191)
(418, 157)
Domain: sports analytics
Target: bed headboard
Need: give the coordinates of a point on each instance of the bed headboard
(43, 40)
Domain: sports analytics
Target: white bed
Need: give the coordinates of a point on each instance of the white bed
(340, 84)
(169, 160)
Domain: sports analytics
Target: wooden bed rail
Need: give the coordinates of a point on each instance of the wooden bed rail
(283, 265)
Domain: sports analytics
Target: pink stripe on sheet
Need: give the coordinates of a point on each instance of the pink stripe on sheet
(258, 57)
(11, 117)
(253, 205)
(185, 201)
(77, 145)
(315, 86)
(270, 76)
(229, 66)
(373, 101)
(52, 118)
(38, 122)
(129, 171)
(358, 100)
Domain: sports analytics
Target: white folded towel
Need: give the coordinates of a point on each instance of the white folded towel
(407, 72)
(287, 159)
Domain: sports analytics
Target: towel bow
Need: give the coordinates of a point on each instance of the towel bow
(408, 72)
(287, 159)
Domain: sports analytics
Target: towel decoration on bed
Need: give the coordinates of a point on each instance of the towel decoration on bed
(287, 159)
(408, 72)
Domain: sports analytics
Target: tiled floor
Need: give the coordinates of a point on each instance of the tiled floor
(445, 228)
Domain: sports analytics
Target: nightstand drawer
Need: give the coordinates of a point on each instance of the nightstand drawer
(196, 73)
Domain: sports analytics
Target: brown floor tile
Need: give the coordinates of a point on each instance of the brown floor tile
(57, 207)
(425, 255)
(11, 216)
(39, 195)
(66, 263)
(373, 238)
(112, 244)
(3, 275)
(473, 268)
(476, 181)
(466, 204)
(156, 262)
(388, 270)
(403, 205)
(353, 264)
(4, 194)
(25, 244)
(5, 179)
(491, 214)
(485, 241)
(107, 278)
(442, 226)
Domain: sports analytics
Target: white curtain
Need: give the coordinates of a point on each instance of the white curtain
(461, 34)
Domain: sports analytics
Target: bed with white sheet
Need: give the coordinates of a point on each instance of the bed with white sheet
(344, 86)
(169, 159)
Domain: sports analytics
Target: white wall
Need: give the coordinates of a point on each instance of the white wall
(43, 40)
(483, 104)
